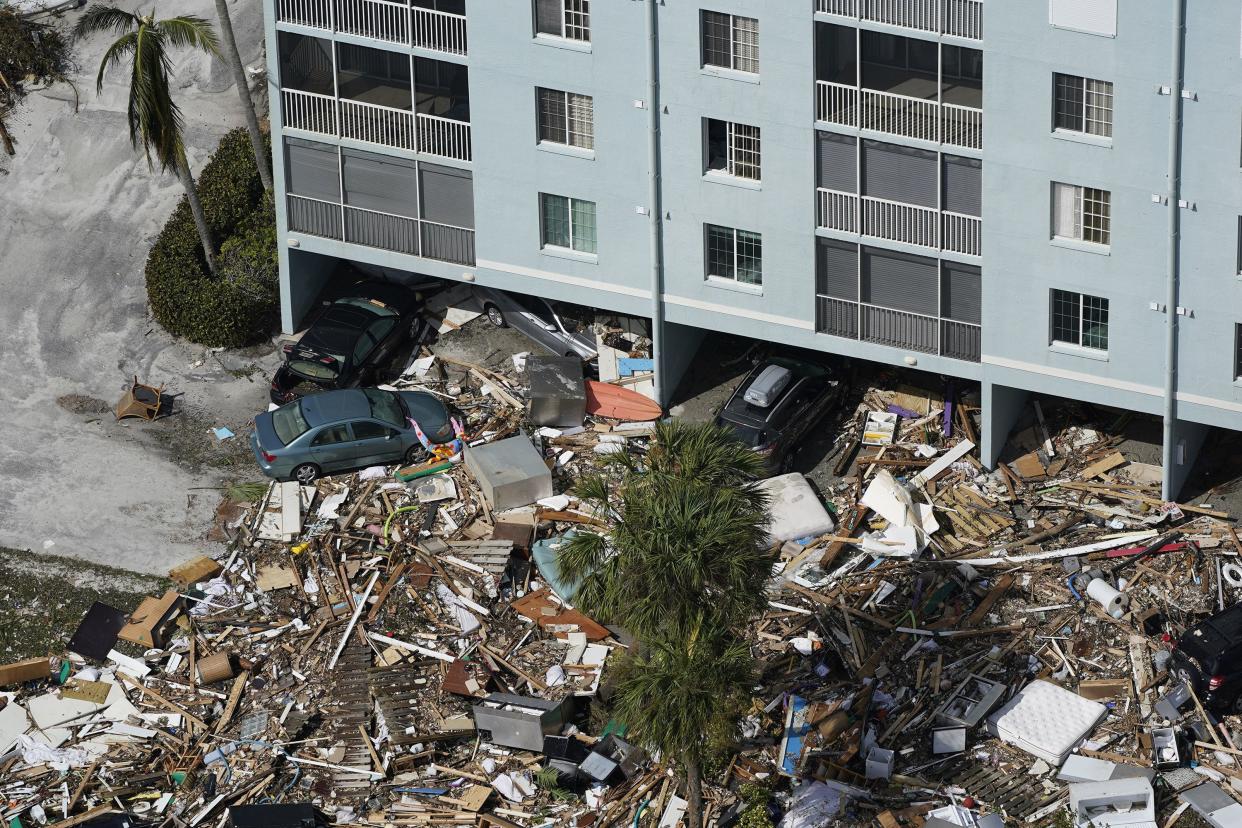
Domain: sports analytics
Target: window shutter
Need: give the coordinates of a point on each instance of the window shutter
(837, 269)
(895, 280)
(447, 195)
(961, 293)
(963, 185)
(312, 170)
(1091, 16)
(380, 182)
(1064, 220)
(838, 162)
(899, 173)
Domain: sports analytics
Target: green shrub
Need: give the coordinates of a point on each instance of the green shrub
(237, 306)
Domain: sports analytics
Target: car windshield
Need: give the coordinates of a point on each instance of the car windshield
(385, 406)
(289, 422)
(750, 436)
(313, 370)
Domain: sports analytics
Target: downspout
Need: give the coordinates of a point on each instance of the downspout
(654, 198)
(1174, 253)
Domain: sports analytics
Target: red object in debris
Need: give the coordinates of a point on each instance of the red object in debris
(604, 400)
(968, 802)
(1134, 550)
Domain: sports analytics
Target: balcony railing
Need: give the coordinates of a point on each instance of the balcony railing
(371, 228)
(960, 18)
(839, 103)
(392, 22)
(897, 329)
(376, 124)
(882, 218)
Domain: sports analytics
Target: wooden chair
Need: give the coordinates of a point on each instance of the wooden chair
(141, 400)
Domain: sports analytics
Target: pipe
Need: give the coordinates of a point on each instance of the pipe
(1168, 454)
(1106, 596)
(654, 163)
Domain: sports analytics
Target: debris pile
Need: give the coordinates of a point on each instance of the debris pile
(944, 645)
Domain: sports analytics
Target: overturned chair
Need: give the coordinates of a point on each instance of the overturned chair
(141, 400)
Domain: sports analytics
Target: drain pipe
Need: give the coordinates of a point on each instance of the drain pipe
(654, 198)
(1169, 454)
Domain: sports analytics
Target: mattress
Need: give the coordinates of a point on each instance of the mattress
(1046, 721)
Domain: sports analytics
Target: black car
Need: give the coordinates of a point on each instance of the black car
(350, 339)
(777, 404)
(1208, 657)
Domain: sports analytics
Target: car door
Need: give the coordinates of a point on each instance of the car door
(539, 323)
(377, 444)
(384, 332)
(332, 448)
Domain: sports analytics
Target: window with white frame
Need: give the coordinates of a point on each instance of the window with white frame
(566, 118)
(734, 255)
(570, 19)
(1237, 352)
(730, 41)
(1083, 105)
(731, 148)
(568, 223)
(1081, 213)
(1079, 319)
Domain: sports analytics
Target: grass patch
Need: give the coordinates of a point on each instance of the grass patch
(43, 599)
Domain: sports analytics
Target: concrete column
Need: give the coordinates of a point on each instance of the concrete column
(303, 279)
(1002, 406)
(1187, 440)
(679, 345)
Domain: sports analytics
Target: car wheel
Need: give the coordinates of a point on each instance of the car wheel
(415, 455)
(495, 316)
(306, 473)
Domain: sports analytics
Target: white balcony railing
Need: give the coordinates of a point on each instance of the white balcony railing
(386, 231)
(376, 124)
(392, 22)
(960, 18)
(839, 103)
(309, 111)
(882, 218)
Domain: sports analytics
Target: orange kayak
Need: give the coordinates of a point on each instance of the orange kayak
(614, 402)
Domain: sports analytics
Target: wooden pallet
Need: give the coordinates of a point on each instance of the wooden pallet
(1016, 795)
(351, 709)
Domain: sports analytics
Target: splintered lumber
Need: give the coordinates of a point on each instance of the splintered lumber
(998, 589)
(1108, 463)
(239, 684)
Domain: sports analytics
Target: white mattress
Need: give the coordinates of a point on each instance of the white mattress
(1046, 721)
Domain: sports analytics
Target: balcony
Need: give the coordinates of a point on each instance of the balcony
(410, 25)
(958, 18)
(896, 114)
(376, 124)
(385, 231)
(881, 218)
(898, 329)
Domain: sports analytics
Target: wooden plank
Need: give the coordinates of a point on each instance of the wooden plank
(1108, 463)
(997, 591)
(290, 509)
(239, 684)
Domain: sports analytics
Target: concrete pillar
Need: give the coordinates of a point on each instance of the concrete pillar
(678, 345)
(1002, 406)
(1187, 440)
(301, 281)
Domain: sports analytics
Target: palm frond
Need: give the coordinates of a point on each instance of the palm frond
(191, 31)
(104, 18)
(117, 52)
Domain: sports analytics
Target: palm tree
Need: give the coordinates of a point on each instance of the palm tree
(673, 692)
(687, 547)
(154, 118)
(233, 58)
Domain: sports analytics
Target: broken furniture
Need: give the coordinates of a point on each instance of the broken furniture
(971, 700)
(23, 671)
(557, 392)
(140, 400)
(97, 634)
(147, 623)
(511, 473)
(1046, 721)
(1166, 753)
(519, 721)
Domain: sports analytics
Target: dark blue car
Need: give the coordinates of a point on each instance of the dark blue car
(335, 431)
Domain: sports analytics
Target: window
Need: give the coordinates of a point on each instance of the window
(369, 430)
(1078, 319)
(735, 255)
(1239, 262)
(567, 118)
(1083, 105)
(331, 435)
(570, 19)
(732, 148)
(1237, 352)
(1081, 213)
(730, 42)
(568, 223)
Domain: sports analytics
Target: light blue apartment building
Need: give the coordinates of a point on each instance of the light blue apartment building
(1040, 196)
